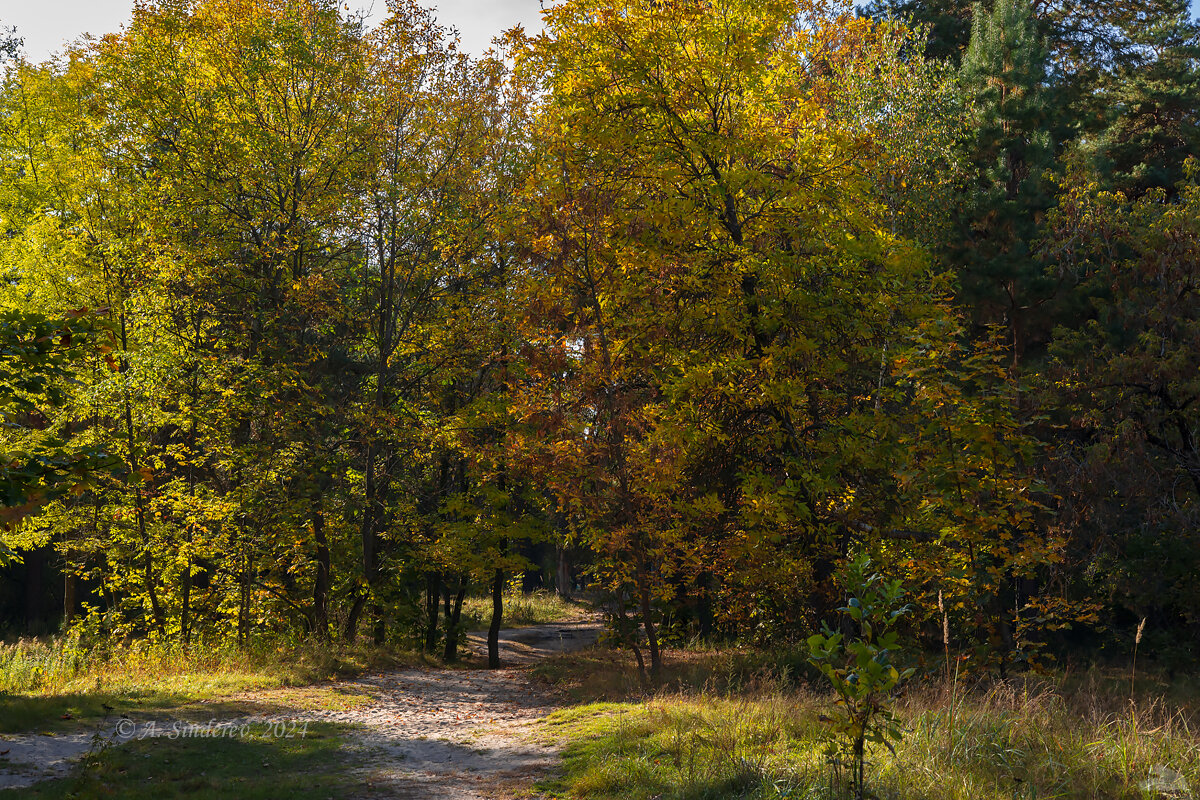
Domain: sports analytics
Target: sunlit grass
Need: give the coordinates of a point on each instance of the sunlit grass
(56, 683)
(521, 609)
(1034, 738)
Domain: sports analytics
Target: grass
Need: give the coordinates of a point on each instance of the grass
(56, 684)
(601, 674)
(727, 729)
(248, 767)
(521, 609)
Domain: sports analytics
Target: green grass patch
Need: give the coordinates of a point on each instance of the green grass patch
(56, 684)
(523, 609)
(246, 767)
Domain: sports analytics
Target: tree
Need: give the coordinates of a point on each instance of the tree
(1004, 74)
(40, 464)
(1130, 466)
(862, 668)
(706, 292)
(1152, 100)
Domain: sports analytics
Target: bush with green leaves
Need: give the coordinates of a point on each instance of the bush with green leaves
(861, 669)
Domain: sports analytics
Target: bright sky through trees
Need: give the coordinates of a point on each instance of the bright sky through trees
(47, 25)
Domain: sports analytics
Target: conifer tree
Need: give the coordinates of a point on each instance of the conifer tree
(1152, 100)
(1004, 74)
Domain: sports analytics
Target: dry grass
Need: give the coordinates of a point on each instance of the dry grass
(59, 682)
(748, 734)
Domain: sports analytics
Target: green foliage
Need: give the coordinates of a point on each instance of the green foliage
(1152, 98)
(1128, 378)
(38, 464)
(862, 669)
(1009, 149)
(710, 294)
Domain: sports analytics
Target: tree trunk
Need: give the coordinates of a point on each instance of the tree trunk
(562, 575)
(433, 590)
(647, 621)
(244, 599)
(139, 498)
(497, 617)
(351, 630)
(185, 619)
(70, 594)
(624, 626)
(320, 613)
(450, 654)
(379, 629)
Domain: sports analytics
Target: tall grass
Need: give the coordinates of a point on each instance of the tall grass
(1040, 738)
(58, 682)
(49, 666)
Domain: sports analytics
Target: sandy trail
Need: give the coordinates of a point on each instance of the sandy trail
(432, 734)
(462, 734)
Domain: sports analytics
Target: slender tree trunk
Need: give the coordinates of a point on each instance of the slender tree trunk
(433, 590)
(185, 616)
(351, 629)
(450, 654)
(648, 621)
(245, 598)
(497, 618)
(624, 625)
(562, 574)
(185, 619)
(369, 540)
(139, 498)
(321, 584)
(70, 593)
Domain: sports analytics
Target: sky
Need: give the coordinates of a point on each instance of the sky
(47, 25)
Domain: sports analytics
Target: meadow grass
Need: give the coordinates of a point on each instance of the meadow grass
(728, 728)
(56, 683)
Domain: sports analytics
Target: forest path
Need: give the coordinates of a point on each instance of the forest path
(462, 734)
(426, 734)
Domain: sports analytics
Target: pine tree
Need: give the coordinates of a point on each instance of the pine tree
(1004, 74)
(1152, 100)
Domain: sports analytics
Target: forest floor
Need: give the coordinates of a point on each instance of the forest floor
(562, 719)
(435, 734)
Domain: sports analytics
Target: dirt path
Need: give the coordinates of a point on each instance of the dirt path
(432, 734)
(461, 734)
